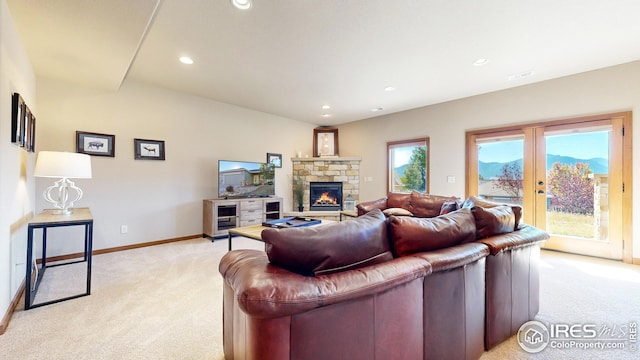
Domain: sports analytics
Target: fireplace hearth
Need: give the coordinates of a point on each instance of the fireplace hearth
(325, 196)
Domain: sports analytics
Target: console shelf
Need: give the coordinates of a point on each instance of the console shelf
(220, 215)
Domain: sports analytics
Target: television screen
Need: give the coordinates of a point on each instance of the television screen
(245, 179)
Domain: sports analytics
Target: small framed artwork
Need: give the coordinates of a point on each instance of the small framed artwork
(95, 144)
(325, 142)
(148, 149)
(30, 143)
(24, 126)
(18, 108)
(274, 159)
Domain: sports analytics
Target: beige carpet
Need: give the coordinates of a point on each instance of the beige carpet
(164, 302)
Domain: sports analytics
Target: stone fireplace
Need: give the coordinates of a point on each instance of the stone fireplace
(342, 170)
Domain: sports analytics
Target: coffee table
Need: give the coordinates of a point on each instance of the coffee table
(255, 231)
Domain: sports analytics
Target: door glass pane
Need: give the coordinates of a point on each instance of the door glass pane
(500, 172)
(408, 167)
(577, 183)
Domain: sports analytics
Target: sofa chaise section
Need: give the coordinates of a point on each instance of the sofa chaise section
(512, 282)
(373, 312)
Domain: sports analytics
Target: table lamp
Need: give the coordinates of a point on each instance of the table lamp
(63, 165)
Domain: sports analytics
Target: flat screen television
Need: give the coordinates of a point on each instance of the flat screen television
(245, 179)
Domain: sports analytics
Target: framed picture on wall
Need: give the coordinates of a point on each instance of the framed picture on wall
(148, 149)
(274, 159)
(325, 142)
(95, 144)
(18, 108)
(30, 135)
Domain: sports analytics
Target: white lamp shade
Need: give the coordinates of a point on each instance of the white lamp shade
(57, 164)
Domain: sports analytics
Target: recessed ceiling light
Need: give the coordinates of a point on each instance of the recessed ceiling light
(520, 75)
(242, 4)
(326, 107)
(377, 109)
(480, 62)
(326, 115)
(389, 88)
(186, 60)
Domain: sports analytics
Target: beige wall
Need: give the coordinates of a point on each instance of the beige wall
(16, 174)
(158, 199)
(603, 91)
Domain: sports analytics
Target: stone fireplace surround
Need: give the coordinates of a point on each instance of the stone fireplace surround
(331, 169)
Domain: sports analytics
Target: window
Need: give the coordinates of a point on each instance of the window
(407, 164)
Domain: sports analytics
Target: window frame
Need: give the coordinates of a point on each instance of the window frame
(391, 145)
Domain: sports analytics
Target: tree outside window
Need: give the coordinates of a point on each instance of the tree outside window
(407, 163)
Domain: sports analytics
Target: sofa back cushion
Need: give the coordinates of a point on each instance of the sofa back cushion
(411, 235)
(332, 247)
(474, 201)
(426, 205)
(493, 221)
(398, 200)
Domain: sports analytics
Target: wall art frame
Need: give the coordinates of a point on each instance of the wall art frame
(95, 144)
(325, 142)
(30, 132)
(274, 159)
(18, 108)
(149, 149)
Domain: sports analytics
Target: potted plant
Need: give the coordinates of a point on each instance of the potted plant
(298, 191)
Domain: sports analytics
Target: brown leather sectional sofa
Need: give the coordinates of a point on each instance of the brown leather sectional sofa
(378, 287)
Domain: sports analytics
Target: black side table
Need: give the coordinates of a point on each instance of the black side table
(45, 220)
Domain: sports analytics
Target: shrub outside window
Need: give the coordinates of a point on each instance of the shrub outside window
(407, 165)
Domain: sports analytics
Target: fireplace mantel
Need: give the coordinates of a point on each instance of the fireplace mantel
(326, 158)
(328, 169)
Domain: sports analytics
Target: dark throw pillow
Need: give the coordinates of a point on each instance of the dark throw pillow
(411, 235)
(449, 206)
(332, 247)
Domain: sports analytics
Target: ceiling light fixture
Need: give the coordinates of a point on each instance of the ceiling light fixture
(520, 75)
(326, 107)
(186, 60)
(326, 115)
(480, 62)
(377, 109)
(389, 88)
(242, 4)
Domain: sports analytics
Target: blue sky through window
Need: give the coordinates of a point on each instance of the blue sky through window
(580, 146)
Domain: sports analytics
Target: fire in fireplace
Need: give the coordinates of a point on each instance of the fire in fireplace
(325, 196)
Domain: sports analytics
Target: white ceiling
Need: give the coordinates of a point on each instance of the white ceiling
(290, 57)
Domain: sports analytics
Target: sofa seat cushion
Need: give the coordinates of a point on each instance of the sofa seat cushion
(426, 205)
(454, 256)
(332, 247)
(527, 235)
(411, 235)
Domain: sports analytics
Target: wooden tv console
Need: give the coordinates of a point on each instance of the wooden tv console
(220, 215)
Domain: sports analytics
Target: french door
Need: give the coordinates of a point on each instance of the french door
(568, 175)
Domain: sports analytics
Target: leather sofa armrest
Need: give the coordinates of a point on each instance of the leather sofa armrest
(264, 290)
(367, 206)
(527, 235)
(454, 256)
